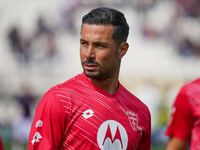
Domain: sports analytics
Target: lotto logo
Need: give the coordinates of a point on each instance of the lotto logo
(88, 113)
(36, 138)
(39, 123)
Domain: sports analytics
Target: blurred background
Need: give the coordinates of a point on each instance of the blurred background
(39, 48)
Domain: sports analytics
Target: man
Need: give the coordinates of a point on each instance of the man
(184, 124)
(93, 111)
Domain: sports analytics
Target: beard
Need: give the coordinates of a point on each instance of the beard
(104, 72)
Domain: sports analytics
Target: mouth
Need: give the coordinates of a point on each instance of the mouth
(90, 67)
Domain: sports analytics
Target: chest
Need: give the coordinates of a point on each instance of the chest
(103, 123)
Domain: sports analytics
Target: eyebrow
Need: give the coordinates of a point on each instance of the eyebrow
(101, 43)
(82, 40)
(98, 42)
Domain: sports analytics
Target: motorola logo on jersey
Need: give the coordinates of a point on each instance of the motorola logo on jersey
(112, 136)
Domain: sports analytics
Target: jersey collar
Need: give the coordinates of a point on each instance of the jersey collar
(97, 88)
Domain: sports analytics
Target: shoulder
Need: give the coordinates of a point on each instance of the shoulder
(132, 97)
(132, 101)
(191, 85)
(62, 92)
(189, 89)
(73, 84)
(137, 108)
(61, 95)
(187, 94)
(74, 81)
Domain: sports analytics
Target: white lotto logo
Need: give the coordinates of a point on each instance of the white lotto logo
(39, 123)
(88, 113)
(36, 138)
(112, 136)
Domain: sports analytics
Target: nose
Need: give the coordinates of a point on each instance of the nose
(90, 54)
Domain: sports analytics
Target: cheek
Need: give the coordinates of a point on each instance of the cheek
(106, 59)
(82, 54)
(101, 57)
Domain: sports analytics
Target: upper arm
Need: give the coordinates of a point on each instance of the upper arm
(48, 125)
(181, 121)
(176, 144)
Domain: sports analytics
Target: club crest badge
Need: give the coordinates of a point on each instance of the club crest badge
(133, 119)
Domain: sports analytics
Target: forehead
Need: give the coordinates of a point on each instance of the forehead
(96, 32)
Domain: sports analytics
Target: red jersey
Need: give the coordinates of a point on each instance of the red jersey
(185, 120)
(1, 144)
(78, 115)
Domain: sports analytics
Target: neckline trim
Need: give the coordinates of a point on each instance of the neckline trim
(100, 90)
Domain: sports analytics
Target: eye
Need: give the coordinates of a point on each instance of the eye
(100, 46)
(83, 43)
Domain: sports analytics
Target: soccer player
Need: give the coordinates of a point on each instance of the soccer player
(93, 111)
(184, 123)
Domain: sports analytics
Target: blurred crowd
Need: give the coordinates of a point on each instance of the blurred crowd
(180, 28)
(23, 47)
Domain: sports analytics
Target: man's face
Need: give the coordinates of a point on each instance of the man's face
(98, 51)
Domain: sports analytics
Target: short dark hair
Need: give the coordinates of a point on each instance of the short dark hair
(109, 16)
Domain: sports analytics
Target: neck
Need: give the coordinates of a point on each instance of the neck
(109, 85)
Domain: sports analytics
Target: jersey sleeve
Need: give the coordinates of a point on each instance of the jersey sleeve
(1, 144)
(181, 120)
(146, 140)
(48, 125)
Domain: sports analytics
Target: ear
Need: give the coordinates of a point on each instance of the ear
(123, 48)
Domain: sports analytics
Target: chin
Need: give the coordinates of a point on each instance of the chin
(92, 75)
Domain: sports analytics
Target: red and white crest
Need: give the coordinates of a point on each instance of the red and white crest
(133, 119)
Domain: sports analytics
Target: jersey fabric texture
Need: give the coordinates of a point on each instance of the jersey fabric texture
(185, 119)
(78, 115)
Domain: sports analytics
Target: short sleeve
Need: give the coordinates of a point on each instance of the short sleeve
(146, 140)
(48, 125)
(1, 144)
(181, 120)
